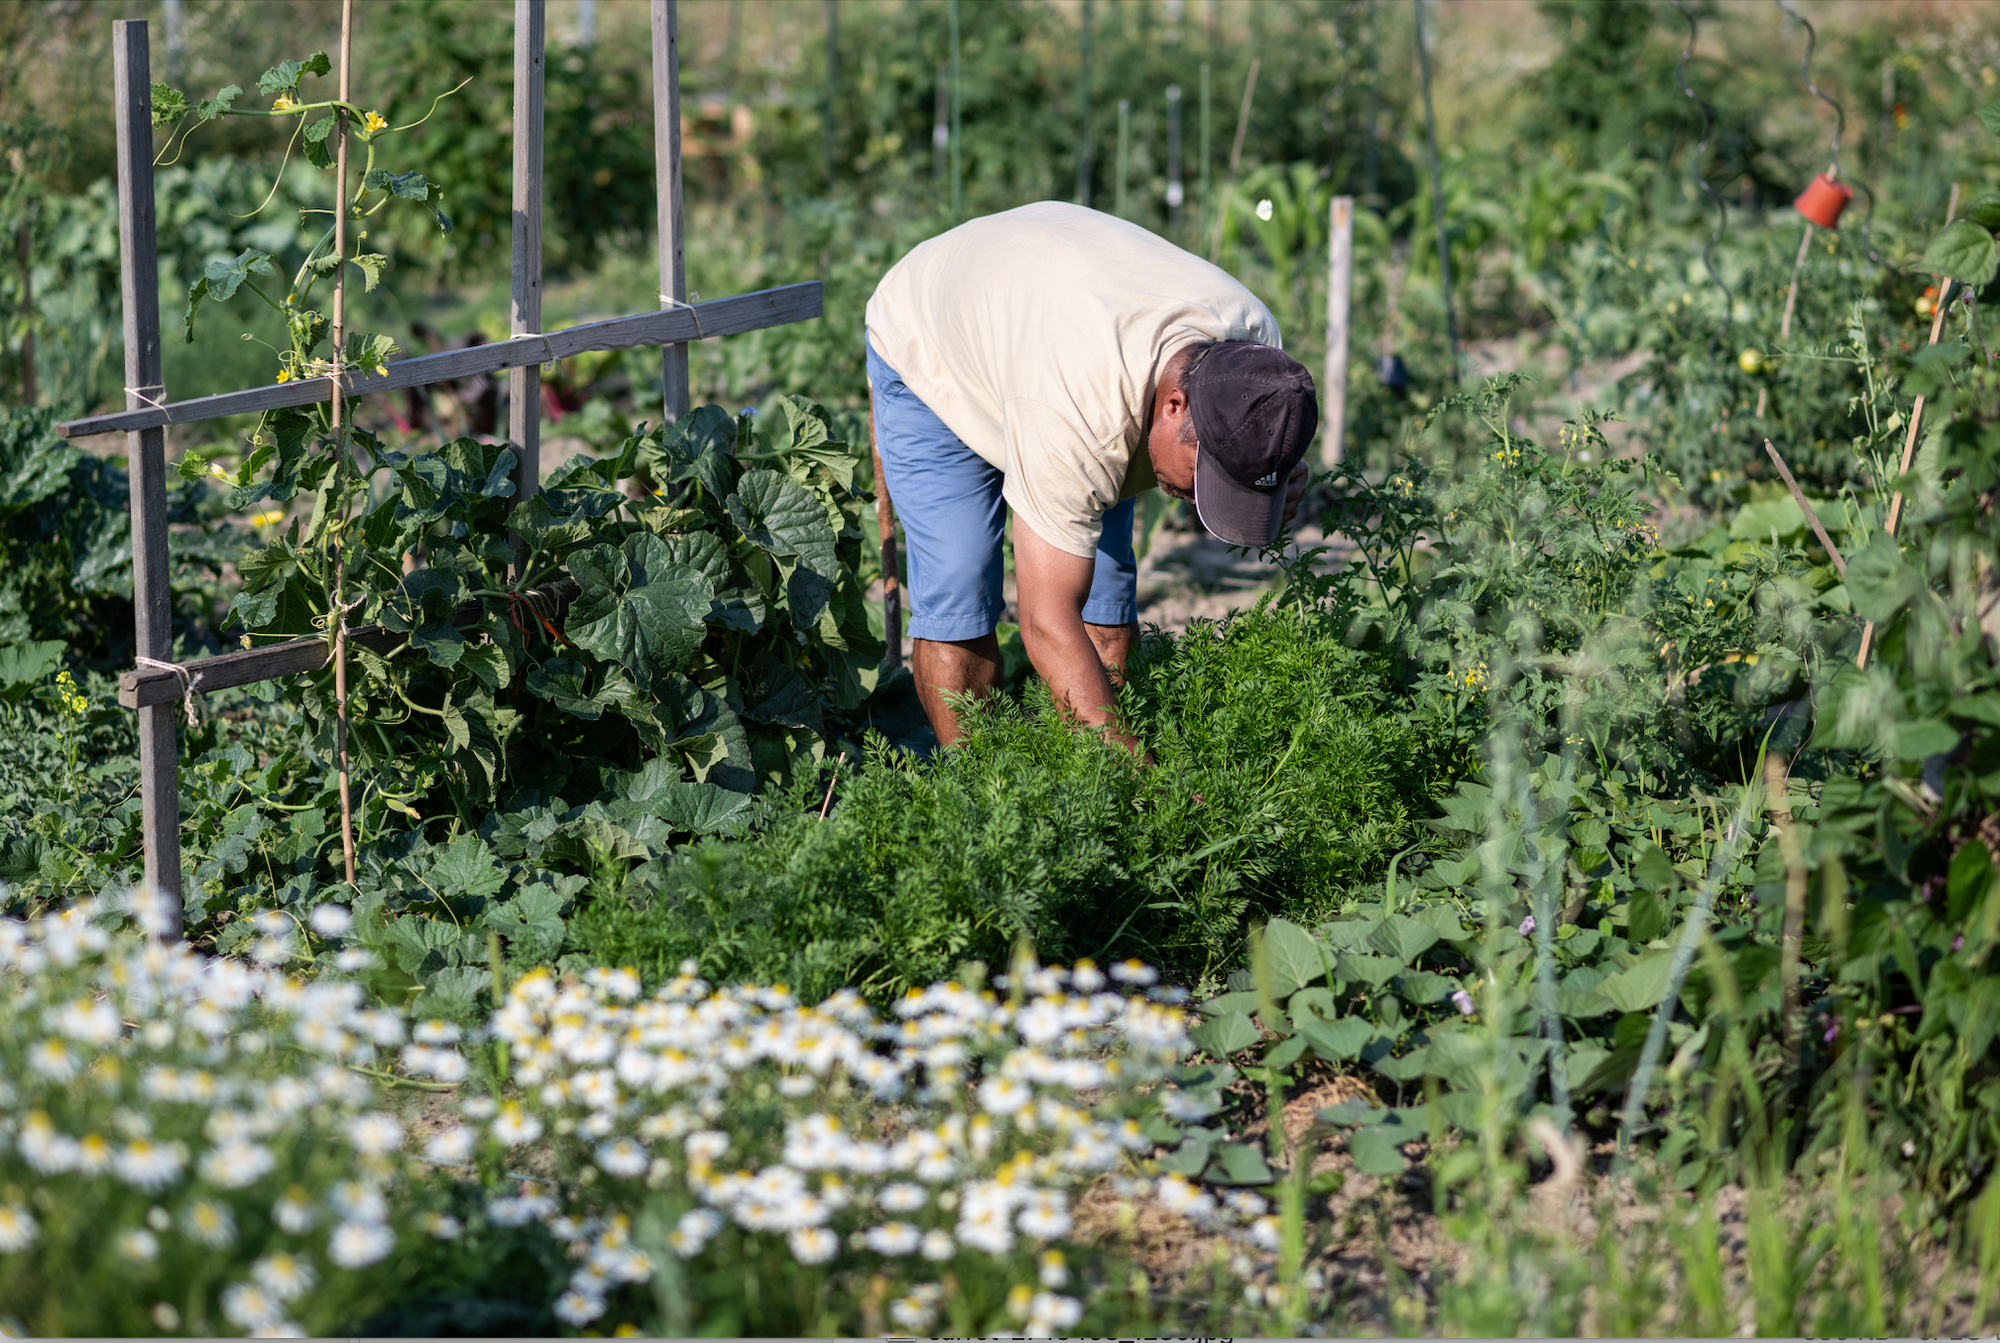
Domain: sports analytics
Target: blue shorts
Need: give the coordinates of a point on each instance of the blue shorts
(948, 499)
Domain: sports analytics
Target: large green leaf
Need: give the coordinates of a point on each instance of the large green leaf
(1377, 1150)
(531, 922)
(1225, 1034)
(1335, 1041)
(1640, 987)
(1237, 1164)
(1374, 971)
(467, 868)
(1879, 581)
(26, 663)
(784, 519)
(220, 280)
(1403, 938)
(635, 609)
(1965, 252)
(1293, 956)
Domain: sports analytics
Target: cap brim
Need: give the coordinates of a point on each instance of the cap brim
(1235, 513)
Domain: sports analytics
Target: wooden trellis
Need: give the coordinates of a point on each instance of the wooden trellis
(156, 691)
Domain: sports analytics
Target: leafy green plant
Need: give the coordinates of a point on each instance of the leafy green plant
(1279, 783)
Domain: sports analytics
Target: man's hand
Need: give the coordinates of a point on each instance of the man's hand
(1295, 490)
(1053, 586)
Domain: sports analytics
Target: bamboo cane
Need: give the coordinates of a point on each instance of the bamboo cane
(339, 612)
(1235, 158)
(1800, 496)
(1910, 438)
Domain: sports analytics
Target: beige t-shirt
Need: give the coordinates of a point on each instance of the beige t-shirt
(1035, 336)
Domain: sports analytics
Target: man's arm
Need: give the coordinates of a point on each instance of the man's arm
(1053, 586)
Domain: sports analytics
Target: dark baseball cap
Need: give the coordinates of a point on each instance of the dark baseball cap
(1255, 412)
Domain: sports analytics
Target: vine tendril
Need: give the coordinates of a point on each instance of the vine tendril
(1707, 187)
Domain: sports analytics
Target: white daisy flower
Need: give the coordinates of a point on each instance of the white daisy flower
(283, 1275)
(93, 1154)
(293, 1212)
(893, 1238)
(938, 1246)
(139, 1245)
(1049, 1313)
(1053, 1269)
(442, 1225)
(53, 1059)
(705, 1147)
(514, 1125)
(1003, 1095)
(358, 1201)
(17, 1228)
(1266, 1233)
(622, 1157)
(813, 1244)
(436, 1031)
(146, 1164)
(210, 1222)
(248, 1306)
(375, 1133)
(332, 920)
(452, 1146)
(1046, 1216)
(236, 1163)
(1135, 972)
(902, 1197)
(917, 1312)
(358, 1244)
(694, 1231)
(575, 1309)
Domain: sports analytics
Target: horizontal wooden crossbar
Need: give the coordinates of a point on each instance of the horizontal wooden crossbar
(150, 685)
(669, 326)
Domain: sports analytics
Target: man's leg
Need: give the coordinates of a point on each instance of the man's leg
(1111, 616)
(948, 499)
(952, 667)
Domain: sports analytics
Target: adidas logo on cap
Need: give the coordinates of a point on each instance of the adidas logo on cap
(1267, 481)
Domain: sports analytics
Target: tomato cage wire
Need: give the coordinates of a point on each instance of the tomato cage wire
(1707, 187)
(1834, 175)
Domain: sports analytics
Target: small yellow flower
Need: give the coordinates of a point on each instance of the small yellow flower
(284, 375)
(373, 122)
(284, 103)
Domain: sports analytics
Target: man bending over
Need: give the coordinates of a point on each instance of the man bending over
(1059, 361)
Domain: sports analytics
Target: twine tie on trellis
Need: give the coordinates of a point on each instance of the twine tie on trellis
(548, 346)
(693, 312)
(190, 684)
(160, 406)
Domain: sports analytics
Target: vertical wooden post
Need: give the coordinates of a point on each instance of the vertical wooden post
(1437, 193)
(667, 165)
(146, 453)
(892, 578)
(1339, 285)
(1120, 204)
(957, 127)
(1176, 189)
(832, 86)
(337, 407)
(1083, 121)
(524, 385)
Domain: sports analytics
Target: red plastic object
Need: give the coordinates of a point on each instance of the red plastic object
(1823, 200)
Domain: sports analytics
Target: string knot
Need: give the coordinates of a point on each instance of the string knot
(190, 685)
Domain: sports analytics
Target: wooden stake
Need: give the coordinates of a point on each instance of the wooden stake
(885, 523)
(146, 465)
(667, 170)
(1235, 158)
(339, 613)
(1910, 438)
(1339, 284)
(1791, 1017)
(524, 385)
(1437, 194)
(1799, 496)
(1791, 302)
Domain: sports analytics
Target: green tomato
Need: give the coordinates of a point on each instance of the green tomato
(1751, 360)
